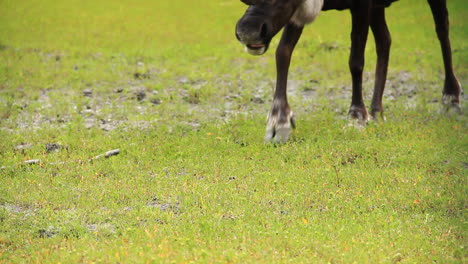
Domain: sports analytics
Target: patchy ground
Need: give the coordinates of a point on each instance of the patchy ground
(123, 140)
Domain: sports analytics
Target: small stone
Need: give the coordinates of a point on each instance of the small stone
(50, 147)
(257, 100)
(140, 95)
(88, 92)
(46, 233)
(183, 80)
(89, 123)
(155, 101)
(23, 146)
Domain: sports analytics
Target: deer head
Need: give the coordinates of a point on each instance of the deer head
(262, 21)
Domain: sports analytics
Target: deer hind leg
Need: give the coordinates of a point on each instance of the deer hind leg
(382, 43)
(452, 88)
(359, 32)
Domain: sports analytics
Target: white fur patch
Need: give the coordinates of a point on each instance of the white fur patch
(307, 12)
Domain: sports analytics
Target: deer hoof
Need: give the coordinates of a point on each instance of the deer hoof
(451, 104)
(358, 115)
(377, 116)
(279, 128)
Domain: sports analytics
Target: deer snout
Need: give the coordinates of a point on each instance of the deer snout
(248, 32)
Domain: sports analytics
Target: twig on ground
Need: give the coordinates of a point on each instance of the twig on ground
(38, 161)
(108, 154)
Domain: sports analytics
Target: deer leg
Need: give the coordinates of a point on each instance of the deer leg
(452, 89)
(280, 119)
(382, 44)
(359, 32)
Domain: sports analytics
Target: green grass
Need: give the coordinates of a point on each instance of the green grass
(167, 83)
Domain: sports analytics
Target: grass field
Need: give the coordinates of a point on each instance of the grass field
(167, 84)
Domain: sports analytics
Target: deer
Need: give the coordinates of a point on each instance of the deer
(263, 19)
